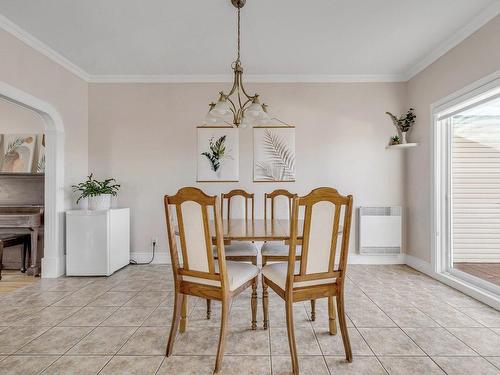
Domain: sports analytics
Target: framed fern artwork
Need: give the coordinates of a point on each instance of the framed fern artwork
(274, 153)
(218, 154)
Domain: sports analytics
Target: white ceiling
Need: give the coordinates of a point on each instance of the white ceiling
(381, 38)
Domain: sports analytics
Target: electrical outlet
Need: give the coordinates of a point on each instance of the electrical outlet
(154, 241)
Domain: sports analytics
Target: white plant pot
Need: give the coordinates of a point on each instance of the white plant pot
(403, 138)
(100, 202)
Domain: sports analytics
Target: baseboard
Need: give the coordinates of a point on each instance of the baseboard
(53, 267)
(164, 258)
(450, 280)
(419, 265)
(355, 258)
(144, 257)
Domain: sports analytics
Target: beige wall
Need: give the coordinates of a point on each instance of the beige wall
(16, 119)
(476, 57)
(30, 71)
(145, 136)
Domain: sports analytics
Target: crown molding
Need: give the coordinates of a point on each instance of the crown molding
(264, 78)
(459, 36)
(476, 23)
(41, 47)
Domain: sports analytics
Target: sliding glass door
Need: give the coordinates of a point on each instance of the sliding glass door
(474, 200)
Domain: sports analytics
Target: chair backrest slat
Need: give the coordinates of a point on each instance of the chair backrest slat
(273, 196)
(192, 210)
(235, 194)
(323, 209)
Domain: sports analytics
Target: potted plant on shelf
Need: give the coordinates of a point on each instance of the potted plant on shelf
(403, 123)
(395, 140)
(99, 193)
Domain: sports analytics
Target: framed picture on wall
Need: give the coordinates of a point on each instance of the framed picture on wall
(40, 162)
(274, 153)
(218, 154)
(18, 150)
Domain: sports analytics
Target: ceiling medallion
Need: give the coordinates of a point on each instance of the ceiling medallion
(237, 107)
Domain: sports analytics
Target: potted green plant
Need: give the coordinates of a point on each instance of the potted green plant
(403, 123)
(395, 140)
(99, 193)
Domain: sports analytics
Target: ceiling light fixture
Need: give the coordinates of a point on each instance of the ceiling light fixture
(238, 107)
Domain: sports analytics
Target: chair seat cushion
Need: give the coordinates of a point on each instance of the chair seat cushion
(238, 249)
(238, 274)
(277, 249)
(277, 273)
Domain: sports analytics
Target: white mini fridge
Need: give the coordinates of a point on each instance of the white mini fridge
(97, 242)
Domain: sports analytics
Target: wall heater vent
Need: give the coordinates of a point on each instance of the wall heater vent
(380, 230)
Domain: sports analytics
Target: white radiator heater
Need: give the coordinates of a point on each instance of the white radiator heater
(380, 230)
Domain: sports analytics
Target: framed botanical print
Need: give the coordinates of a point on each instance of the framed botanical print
(274, 153)
(218, 154)
(18, 152)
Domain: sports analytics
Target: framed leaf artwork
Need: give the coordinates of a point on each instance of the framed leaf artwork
(40, 163)
(18, 150)
(218, 154)
(274, 153)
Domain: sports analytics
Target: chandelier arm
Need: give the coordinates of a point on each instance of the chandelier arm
(233, 109)
(245, 105)
(250, 97)
(235, 83)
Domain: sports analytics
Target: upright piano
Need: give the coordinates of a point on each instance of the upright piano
(21, 210)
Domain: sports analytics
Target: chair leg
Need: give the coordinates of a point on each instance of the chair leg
(178, 302)
(23, 256)
(254, 303)
(222, 337)
(291, 336)
(1, 258)
(209, 308)
(184, 309)
(343, 326)
(332, 316)
(313, 310)
(265, 303)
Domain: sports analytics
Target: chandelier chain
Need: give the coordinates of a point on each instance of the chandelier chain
(239, 33)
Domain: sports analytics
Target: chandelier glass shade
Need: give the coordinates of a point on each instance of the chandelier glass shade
(237, 107)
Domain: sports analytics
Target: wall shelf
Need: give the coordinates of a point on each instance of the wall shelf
(402, 145)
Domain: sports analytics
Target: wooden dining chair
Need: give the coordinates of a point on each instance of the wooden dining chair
(276, 251)
(315, 275)
(238, 251)
(200, 274)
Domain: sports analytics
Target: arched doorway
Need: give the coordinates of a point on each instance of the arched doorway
(53, 262)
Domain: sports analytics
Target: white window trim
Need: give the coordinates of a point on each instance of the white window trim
(440, 191)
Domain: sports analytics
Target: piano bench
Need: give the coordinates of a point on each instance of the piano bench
(8, 240)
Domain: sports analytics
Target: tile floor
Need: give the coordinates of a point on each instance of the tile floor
(400, 322)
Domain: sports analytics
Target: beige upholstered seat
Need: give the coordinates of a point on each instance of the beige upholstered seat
(238, 274)
(277, 273)
(277, 249)
(239, 249)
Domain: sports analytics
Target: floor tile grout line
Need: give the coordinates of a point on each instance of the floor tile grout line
(317, 340)
(161, 364)
(494, 365)
(401, 329)
(462, 341)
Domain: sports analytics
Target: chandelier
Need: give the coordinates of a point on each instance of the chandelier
(237, 107)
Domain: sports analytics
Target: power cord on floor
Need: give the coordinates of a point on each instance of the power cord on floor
(135, 263)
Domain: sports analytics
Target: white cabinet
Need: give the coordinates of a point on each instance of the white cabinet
(97, 242)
